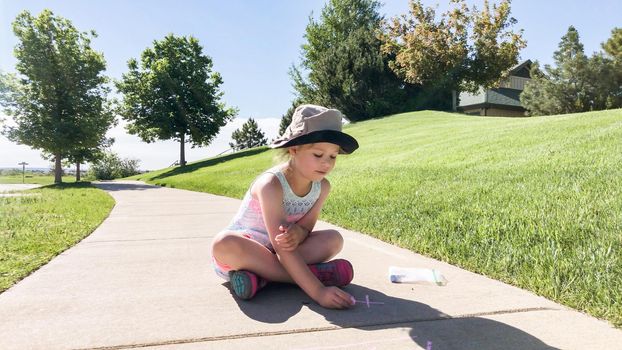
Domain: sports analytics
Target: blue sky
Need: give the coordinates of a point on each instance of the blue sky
(253, 43)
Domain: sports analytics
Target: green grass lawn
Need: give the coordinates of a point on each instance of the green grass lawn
(534, 202)
(37, 227)
(33, 179)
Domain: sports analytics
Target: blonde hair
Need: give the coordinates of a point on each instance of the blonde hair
(281, 155)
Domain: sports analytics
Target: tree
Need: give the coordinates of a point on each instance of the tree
(613, 46)
(7, 87)
(603, 82)
(438, 54)
(173, 94)
(346, 69)
(539, 95)
(248, 136)
(58, 102)
(95, 151)
(4, 86)
(571, 70)
(90, 155)
(613, 51)
(575, 84)
(286, 118)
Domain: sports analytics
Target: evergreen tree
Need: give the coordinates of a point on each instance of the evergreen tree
(540, 95)
(248, 136)
(346, 69)
(613, 52)
(59, 101)
(174, 94)
(604, 83)
(576, 83)
(286, 118)
(613, 46)
(571, 74)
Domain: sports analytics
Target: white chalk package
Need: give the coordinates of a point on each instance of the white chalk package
(416, 275)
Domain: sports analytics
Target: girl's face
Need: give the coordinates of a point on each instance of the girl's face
(314, 161)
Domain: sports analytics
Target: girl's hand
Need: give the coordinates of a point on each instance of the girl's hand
(334, 298)
(291, 236)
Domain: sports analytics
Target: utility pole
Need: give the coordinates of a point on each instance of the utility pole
(23, 164)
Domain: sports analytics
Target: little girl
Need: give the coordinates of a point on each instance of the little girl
(271, 238)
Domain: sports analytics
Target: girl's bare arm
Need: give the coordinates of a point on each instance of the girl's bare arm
(298, 232)
(270, 196)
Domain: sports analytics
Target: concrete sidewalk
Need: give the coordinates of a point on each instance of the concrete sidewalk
(13, 190)
(17, 187)
(143, 279)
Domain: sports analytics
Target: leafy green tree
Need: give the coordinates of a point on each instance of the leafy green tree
(89, 155)
(59, 100)
(7, 82)
(248, 136)
(465, 50)
(4, 86)
(346, 69)
(173, 93)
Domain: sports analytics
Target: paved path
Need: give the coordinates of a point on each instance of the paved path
(143, 280)
(4, 188)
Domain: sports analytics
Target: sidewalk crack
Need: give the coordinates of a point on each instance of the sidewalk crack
(311, 330)
(145, 239)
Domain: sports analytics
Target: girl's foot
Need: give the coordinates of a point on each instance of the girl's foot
(245, 284)
(338, 272)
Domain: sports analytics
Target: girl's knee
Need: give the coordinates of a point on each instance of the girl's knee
(336, 240)
(226, 242)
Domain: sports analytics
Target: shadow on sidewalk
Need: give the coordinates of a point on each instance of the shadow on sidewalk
(116, 186)
(431, 328)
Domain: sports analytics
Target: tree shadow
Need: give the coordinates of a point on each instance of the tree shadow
(277, 303)
(64, 185)
(119, 186)
(209, 162)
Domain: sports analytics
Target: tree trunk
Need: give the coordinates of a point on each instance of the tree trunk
(182, 153)
(77, 171)
(454, 100)
(58, 170)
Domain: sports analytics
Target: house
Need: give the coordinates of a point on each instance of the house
(503, 101)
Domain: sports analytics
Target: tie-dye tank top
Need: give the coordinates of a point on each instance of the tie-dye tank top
(249, 217)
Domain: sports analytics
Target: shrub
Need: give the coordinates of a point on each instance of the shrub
(111, 166)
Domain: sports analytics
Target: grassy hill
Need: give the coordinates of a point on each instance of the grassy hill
(535, 202)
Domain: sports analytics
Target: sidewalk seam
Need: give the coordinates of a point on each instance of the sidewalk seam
(311, 330)
(173, 214)
(147, 239)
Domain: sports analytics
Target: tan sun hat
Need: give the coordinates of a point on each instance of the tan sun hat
(312, 124)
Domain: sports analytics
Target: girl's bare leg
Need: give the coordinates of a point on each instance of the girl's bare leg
(241, 253)
(321, 246)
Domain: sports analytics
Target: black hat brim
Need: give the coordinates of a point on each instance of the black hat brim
(347, 143)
